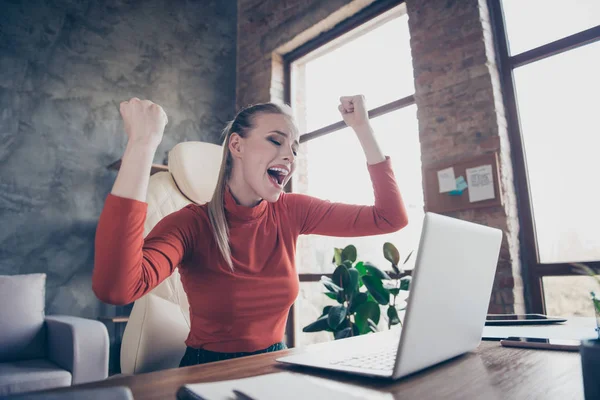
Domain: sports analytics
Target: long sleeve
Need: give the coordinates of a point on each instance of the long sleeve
(321, 217)
(127, 266)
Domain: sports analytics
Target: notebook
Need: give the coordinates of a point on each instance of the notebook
(288, 385)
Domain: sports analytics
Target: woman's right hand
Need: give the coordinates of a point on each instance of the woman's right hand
(144, 121)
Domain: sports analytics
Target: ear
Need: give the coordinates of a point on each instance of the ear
(236, 145)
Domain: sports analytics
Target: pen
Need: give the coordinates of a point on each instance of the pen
(242, 396)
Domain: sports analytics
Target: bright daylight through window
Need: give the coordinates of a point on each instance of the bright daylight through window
(373, 60)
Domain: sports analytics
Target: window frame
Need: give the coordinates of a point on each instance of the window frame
(532, 270)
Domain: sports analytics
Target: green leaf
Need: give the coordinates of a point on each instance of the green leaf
(349, 253)
(357, 300)
(345, 324)
(370, 298)
(319, 325)
(330, 285)
(336, 315)
(405, 283)
(341, 276)
(332, 296)
(341, 298)
(347, 263)
(344, 333)
(372, 325)
(353, 284)
(392, 314)
(326, 310)
(360, 267)
(375, 287)
(597, 306)
(391, 253)
(364, 312)
(337, 256)
(373, 270)
(394, 291)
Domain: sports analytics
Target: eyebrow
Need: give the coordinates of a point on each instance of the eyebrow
(286, 136)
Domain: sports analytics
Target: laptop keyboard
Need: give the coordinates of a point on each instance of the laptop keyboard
(381, 361)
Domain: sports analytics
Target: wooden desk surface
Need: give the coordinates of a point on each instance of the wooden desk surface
(491, 372)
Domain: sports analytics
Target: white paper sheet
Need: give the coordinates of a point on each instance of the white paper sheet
(446, 180)
(481, 183)
(285, 385)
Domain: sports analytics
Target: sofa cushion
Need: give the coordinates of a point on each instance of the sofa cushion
(30, 375)
(22, 331)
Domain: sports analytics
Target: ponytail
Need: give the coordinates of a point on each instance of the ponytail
(241, 124)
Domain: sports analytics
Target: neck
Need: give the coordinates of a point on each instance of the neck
(242, 192)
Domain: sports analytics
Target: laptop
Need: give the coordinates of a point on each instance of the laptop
(449, 296)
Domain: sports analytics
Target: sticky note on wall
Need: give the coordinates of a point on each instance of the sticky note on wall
(446, 180)
(461, 185)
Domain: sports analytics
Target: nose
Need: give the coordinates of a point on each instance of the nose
(289, 155)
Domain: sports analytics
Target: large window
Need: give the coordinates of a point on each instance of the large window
(373, 59)
(550, 57)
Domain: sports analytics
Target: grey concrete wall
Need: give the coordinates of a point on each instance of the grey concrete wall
(64, 67)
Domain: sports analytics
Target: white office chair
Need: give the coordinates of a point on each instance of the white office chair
(160, 321)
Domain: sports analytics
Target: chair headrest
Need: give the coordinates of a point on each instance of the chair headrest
(195, 168)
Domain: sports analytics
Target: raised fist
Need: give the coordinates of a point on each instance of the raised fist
(353, 110)
(144, 120)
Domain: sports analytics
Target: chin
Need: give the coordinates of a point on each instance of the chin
(272, 197)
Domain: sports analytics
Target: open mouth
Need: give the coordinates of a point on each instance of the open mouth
(277, 176)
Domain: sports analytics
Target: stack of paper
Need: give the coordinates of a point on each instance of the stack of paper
(282, 385)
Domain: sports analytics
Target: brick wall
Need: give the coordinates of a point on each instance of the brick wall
(460, 112)
(457, 85)
(270, 28)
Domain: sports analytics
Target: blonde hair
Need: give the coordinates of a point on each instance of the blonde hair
(242, 124)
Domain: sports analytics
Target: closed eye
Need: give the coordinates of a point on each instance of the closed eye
(276, 143)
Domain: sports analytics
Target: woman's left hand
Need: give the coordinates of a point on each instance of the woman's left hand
(354, 111)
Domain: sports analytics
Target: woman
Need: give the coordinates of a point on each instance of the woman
(236, 253)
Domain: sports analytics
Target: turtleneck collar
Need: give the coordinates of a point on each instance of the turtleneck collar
(242, 213)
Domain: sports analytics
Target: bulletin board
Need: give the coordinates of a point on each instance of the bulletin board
(478, 168)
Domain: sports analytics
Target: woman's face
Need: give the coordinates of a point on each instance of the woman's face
(266, 155)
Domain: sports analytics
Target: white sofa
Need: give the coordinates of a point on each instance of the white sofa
(160, 321)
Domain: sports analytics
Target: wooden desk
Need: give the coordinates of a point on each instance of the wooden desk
(491, 372)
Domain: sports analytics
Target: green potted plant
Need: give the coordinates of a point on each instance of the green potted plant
(590, 349)
(360, 288)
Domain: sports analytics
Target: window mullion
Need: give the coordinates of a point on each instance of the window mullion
(374, 113)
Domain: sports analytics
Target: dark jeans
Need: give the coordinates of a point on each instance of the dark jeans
(200, 356)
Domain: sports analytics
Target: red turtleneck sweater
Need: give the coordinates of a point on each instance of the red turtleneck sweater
(244, 310)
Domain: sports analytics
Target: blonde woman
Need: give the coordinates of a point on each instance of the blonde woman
(236, 254)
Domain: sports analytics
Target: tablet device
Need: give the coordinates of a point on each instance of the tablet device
(521, 319)
(547, 344)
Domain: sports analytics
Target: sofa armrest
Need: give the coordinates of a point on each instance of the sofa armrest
(79, 345)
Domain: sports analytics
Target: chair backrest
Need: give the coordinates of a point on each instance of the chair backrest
(159, 322)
